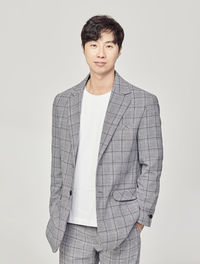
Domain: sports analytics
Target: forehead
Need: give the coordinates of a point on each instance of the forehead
(106, 36)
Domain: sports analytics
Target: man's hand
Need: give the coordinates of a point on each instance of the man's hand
(140, 226)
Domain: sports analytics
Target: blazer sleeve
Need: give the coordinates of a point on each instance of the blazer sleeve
(150, 151)
(56, 175)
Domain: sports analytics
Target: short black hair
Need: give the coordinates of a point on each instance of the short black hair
(101, 23)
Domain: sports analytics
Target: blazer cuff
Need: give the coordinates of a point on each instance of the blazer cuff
(145, 218)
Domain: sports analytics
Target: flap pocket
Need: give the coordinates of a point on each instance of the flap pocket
(125, 194)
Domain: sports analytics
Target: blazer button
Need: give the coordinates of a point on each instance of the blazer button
(150, 215)
(70, 193)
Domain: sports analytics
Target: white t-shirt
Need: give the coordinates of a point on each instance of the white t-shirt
(93, 109)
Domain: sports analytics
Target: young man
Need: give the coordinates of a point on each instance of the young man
(107, 155)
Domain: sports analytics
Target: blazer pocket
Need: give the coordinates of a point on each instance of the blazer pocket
(125, 195)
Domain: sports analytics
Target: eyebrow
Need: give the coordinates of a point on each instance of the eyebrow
(108, 41)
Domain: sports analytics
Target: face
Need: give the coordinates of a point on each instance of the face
(103, 50)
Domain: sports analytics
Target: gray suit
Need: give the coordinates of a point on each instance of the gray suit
(129, 161)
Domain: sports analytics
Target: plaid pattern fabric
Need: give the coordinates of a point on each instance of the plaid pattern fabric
(81, 244)
(129, 161)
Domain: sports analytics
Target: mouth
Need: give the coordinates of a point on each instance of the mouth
(100, 63)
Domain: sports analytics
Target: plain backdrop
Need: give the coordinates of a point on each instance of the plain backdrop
(40, 56)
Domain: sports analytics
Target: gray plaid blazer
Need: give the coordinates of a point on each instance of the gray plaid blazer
(129, 161)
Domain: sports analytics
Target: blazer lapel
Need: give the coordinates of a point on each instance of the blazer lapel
(118, 103)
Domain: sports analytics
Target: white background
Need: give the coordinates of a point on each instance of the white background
(41, 56)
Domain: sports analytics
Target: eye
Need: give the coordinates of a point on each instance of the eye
(109, 46)
(93, 45)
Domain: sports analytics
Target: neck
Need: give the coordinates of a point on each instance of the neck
(100, 84)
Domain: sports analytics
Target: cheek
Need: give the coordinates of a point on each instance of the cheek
(113, 57)
(89, 60)
(89, 55)
(110, 59)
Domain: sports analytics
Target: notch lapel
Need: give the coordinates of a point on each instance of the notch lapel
(119, 100)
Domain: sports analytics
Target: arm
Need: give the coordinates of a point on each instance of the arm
(56, 175)
(150, 150)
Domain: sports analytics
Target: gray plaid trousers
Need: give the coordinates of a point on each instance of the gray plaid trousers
(81, 245)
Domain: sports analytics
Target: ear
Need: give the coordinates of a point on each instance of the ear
(119, 53)
(82, 48)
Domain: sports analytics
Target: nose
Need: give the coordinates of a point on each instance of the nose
(100, 52)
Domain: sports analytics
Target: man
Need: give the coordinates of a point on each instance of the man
(107, 154)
